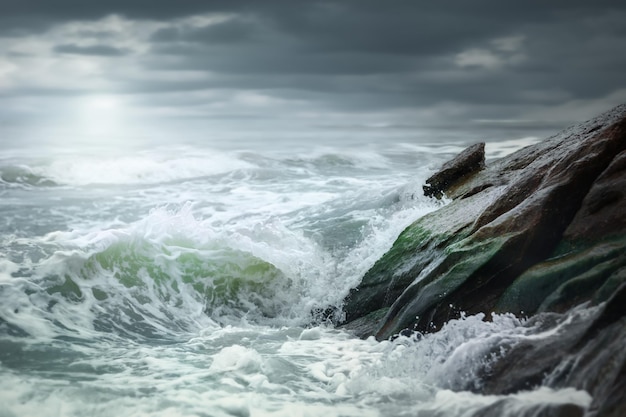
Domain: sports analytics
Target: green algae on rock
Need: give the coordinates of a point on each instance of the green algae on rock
(489, 244)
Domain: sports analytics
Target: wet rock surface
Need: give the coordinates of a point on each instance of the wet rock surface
(539, 230)
(452, 172)
(585, 351)
(537, 233)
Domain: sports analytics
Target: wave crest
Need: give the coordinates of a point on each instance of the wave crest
(23, 176)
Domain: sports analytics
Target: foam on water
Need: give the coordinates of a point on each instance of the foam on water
(171, 271)
(265, 371)
(195, 282)
(144, 169)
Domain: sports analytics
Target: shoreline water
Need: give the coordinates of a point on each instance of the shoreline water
(160, 284)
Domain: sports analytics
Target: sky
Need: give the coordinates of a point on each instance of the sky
(167, 69)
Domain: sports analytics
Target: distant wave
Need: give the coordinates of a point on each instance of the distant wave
(23, 176)
(141, 169)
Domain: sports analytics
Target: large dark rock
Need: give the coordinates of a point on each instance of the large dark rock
(540, 233)
(590, 258)
(602, 213)
(539, 230)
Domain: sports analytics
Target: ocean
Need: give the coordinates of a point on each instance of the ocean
(205, 280)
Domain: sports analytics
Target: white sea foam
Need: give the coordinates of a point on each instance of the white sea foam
(181, 282)
(142, 168)
(273, 371)
(265, 221)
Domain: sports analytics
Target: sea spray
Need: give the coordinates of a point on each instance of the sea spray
(182, 281)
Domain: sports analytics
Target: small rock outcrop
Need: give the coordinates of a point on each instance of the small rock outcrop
(452, 172)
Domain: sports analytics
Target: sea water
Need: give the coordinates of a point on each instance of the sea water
(197, 280)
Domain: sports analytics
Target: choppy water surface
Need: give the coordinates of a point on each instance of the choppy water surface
(191, 281)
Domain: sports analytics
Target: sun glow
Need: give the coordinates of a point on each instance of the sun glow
(102, 102)
(100, 117)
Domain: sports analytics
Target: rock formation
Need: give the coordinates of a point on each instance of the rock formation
(542, 230)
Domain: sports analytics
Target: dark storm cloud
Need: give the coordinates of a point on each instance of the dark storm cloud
(367, 23)
(491, 59)
(94, 50)
(230, 31)
(268, 61)
(343, 39)
(38, 15)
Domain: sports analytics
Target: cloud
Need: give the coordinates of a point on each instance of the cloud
(220, 30)
(499, 53)
(396, 63)
(94, 50)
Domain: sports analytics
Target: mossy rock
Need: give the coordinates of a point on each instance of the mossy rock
(499, 245)
(584, 274)
(416, 248)
(431, 292)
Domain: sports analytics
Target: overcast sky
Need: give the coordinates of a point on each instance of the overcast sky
(495, 69)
